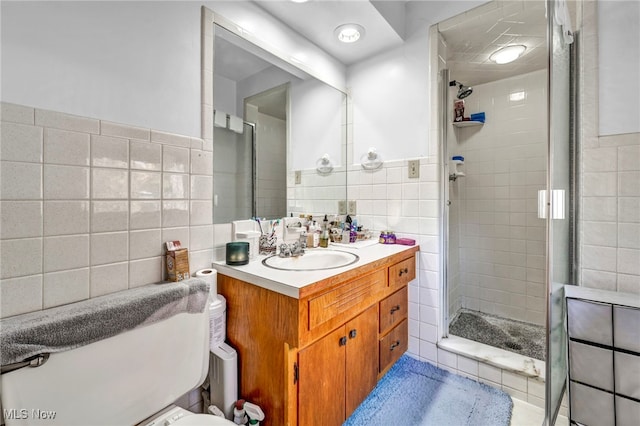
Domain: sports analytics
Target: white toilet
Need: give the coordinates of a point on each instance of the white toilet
(122, 380)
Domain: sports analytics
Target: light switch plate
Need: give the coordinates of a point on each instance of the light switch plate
(414, 169)
(342, 207)
(352, 208)
(298, 177)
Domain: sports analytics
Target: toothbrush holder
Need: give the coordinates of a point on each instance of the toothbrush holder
(267, 244)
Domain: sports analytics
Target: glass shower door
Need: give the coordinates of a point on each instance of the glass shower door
(559, 213)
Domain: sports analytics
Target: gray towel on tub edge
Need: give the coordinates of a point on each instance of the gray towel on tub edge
(77, 324)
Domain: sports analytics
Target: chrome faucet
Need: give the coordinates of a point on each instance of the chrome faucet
(292, 250)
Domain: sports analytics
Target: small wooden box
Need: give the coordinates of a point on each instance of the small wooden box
(177, 262)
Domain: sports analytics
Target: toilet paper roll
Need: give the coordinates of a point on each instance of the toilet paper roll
(210, 276)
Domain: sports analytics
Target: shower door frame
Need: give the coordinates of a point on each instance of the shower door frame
(562, 83)
(443, 86)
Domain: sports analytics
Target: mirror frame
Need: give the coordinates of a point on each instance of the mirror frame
(209, 20)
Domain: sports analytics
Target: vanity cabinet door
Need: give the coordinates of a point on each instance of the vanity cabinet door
(338, 371)
(321, 389)
(362, 358)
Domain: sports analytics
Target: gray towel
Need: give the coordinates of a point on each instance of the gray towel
(77, 324)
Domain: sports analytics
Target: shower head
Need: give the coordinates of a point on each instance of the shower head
(463, 91)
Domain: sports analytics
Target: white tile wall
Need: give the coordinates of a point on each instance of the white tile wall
(529, 389)
(493, 217)
(87, 204)
(614, 201)
(610, 214)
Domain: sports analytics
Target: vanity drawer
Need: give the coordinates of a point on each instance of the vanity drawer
(348, 299)
(393, 345)
(393, 309)
(402, 272)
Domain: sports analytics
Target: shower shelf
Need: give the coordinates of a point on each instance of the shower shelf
(467, 123)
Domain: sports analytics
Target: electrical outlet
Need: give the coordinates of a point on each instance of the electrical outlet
(414, 169)
(298, 177)
(352, 208)
(342, 207)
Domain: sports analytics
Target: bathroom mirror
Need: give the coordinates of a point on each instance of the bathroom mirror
(279, 137)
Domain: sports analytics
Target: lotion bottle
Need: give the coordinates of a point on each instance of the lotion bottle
(324, 237)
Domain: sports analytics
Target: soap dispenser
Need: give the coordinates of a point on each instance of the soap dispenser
(457, 170)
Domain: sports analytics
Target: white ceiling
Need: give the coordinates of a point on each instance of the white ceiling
(473, 36)
(316, 20)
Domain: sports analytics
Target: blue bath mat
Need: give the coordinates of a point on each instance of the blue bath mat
(415, 393)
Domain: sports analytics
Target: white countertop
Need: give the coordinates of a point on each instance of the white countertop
(289, 283)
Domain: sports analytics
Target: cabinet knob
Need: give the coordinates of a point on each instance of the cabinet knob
(404, 271)
(394, 345)
(352, 334)
(343, 341)
(395, 308)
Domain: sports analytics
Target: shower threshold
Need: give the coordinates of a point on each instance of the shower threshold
(496, 357)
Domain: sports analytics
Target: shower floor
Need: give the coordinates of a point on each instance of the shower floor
(514, 336)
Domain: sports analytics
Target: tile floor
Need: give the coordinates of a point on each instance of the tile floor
(525, 414)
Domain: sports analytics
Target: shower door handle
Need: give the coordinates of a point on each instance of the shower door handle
(556, 204)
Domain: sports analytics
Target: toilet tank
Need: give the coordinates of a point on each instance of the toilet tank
(120, 380)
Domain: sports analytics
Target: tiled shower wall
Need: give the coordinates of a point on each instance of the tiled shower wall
(87, 205)
(271, 185)
(501, 238)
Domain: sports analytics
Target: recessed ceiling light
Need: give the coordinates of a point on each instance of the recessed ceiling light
(507, 54)
(299, 1)
(349, 33)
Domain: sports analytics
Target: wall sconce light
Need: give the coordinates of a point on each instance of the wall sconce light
(323, 165)
(371, 160)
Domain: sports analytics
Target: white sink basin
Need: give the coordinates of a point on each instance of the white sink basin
(312, 260)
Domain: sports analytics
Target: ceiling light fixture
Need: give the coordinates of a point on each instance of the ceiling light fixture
(349, 33)
(299, 1)
(507, 54)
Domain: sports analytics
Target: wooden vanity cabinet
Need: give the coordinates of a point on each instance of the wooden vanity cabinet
(338, 371)
(313, 360)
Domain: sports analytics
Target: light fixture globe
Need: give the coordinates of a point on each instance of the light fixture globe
(349, 33)
(507, 54)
